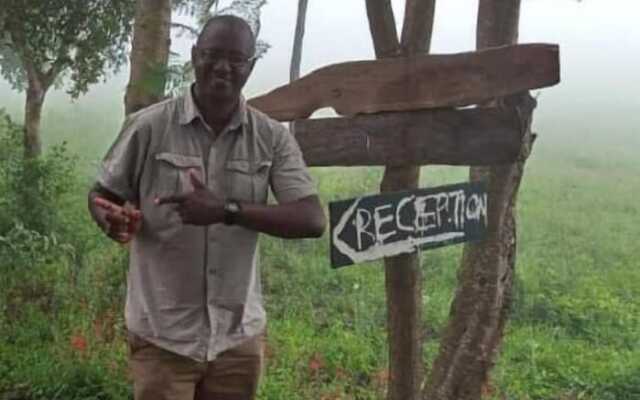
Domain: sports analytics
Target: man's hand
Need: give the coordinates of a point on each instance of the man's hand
(121, 223)
(199, 207)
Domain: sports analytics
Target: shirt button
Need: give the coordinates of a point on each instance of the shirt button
(212, 271)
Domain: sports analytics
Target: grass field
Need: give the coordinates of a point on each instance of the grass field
(574, 331)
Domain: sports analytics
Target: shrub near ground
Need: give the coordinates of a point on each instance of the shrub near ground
(574, 328)
(60, 288)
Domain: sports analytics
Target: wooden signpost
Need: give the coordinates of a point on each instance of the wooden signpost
(403, 112)
(386, 225)
(415, 121)
(400, 112)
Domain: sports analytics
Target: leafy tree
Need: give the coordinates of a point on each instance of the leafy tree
(43, 42)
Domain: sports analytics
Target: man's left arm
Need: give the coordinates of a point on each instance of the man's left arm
(297, 219)
(298, 213)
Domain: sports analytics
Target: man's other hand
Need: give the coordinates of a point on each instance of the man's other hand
(121, 223)
(198, 207)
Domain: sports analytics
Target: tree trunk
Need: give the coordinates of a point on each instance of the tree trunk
(296, 55)
(403, 274)
(481, 306)
(36, 91)
(149, 54)
(32, 115)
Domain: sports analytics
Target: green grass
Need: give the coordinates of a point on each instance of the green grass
(574, 331)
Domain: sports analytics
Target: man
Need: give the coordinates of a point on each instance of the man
(186, 182)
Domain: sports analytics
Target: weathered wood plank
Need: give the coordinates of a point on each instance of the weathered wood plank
(479, 136)
(416, 82)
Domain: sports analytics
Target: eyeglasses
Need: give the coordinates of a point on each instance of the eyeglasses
(234, 60)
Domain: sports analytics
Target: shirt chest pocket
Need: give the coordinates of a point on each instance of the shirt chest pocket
(246, 181)
(172, 172)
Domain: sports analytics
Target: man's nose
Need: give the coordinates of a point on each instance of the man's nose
(221, 64)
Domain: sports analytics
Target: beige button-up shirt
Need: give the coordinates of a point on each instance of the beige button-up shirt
(196, 290)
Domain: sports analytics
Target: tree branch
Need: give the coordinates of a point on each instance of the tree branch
(59, 65)
(296, 56)
(189, 29)
(382, 25)
(417, 26)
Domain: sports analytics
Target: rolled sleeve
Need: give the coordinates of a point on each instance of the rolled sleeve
(290, 179)
(121, 168)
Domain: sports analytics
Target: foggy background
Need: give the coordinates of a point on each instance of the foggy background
(596, 102)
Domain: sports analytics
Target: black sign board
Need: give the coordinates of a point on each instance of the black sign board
(385, 225)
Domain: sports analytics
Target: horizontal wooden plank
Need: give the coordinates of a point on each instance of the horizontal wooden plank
(478, 136)
(414, 83)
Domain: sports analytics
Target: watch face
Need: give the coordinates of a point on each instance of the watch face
(233, 207)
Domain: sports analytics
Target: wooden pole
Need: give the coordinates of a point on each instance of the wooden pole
(382, 25)
(481, 306)
(403, 275)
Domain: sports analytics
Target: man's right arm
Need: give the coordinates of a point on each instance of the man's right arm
(110, 200)
(97, 213)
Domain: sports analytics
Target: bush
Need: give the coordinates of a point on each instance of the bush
(48, 300)
(32, 191)
(32, 244)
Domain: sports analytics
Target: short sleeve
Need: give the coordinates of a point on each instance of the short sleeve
(122, 166)
(290, 179)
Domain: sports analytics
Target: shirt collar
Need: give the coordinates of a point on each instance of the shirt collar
(190, 111)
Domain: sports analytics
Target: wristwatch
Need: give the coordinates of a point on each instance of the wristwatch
(231, 210)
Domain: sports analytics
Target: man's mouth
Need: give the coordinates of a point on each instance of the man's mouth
(216, 80)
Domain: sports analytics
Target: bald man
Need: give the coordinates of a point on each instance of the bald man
(186, 183)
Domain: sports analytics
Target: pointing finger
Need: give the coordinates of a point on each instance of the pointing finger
(179, 198)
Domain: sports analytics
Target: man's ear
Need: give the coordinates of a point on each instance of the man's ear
(253, 64)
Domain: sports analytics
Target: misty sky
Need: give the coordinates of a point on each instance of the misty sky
(599, 46)
(599, 39)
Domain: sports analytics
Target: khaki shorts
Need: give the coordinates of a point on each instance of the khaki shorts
(161, 375)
